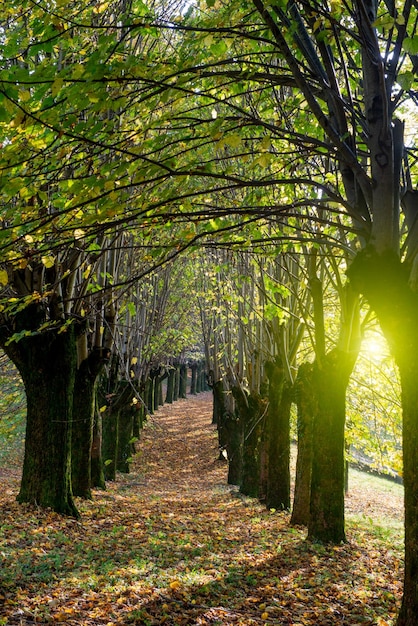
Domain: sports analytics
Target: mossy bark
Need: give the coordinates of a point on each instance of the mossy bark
(83, 420)
(97, 470)
(125, 434)
(230, 434)
(193, 379)
(176, 383)
(169, 398)
(326, 518)
(110, 433)
(47, 364)
(149, 394)
(277, 440)
(183, 370)
(234, 447)
(305, 401)
(250, 409)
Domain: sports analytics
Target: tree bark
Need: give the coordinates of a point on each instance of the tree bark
(170, 385)
(250, 409)
(125, 434)
(277, 440)
(110, 433)
(176, 383)
(183, 380)
(408, 370)
(82, 425)
(384, 280)
(193, 381)
(305, 400)
(326, 519)
(97, 471)
(47, 364)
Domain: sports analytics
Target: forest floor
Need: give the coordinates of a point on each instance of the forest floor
(171, 543)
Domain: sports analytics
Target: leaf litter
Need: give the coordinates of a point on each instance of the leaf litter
(171, 543)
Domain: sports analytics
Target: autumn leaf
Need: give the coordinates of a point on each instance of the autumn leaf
(198, 553)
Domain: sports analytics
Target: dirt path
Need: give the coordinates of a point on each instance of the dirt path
(171, 543)
(178, 453)
(178, 449)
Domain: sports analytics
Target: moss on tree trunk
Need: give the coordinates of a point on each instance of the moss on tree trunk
(170, 385)
(47, 364)
(125, 434)
(326, 519)
(183, 381)
(110, 433)
(305, 400)
(97, 471)
(250, 410)
(83, 420)
(276, 440)
(193, 379)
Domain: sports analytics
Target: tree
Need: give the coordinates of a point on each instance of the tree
(354, 65)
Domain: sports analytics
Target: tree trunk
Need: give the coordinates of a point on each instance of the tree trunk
(305, 400)
(408, 369)
(82, 431)
(230, 435)
(82, 425)
(250, 409)
(193, 381)
(125, 434)
(47, 363)
(97, 471)
(170, 385)
(183, 381)
(384, 280)
(277, 440)
(326, 519)
(110, 432)
(149, 394)
(157, 392)
(176, 384)
(234, 448)
(200, 369)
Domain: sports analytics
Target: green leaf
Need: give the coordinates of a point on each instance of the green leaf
(406, 80)
(410, 44)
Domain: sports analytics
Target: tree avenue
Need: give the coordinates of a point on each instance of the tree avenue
(135, 133)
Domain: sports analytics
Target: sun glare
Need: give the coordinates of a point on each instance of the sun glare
(374, 348)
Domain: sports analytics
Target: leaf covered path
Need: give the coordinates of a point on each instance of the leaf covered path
(171, 543)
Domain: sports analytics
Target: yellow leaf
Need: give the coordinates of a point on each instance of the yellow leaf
(264, 159)
(24, 95)
(78, 233)
(103, 408)
(56, 86)
(175, 584)
(266, 143)
(233, 140)
(48, 261)
(4, 279)
(78, 71)
(134, 360)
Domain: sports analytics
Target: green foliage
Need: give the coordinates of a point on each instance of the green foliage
(12, 414)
